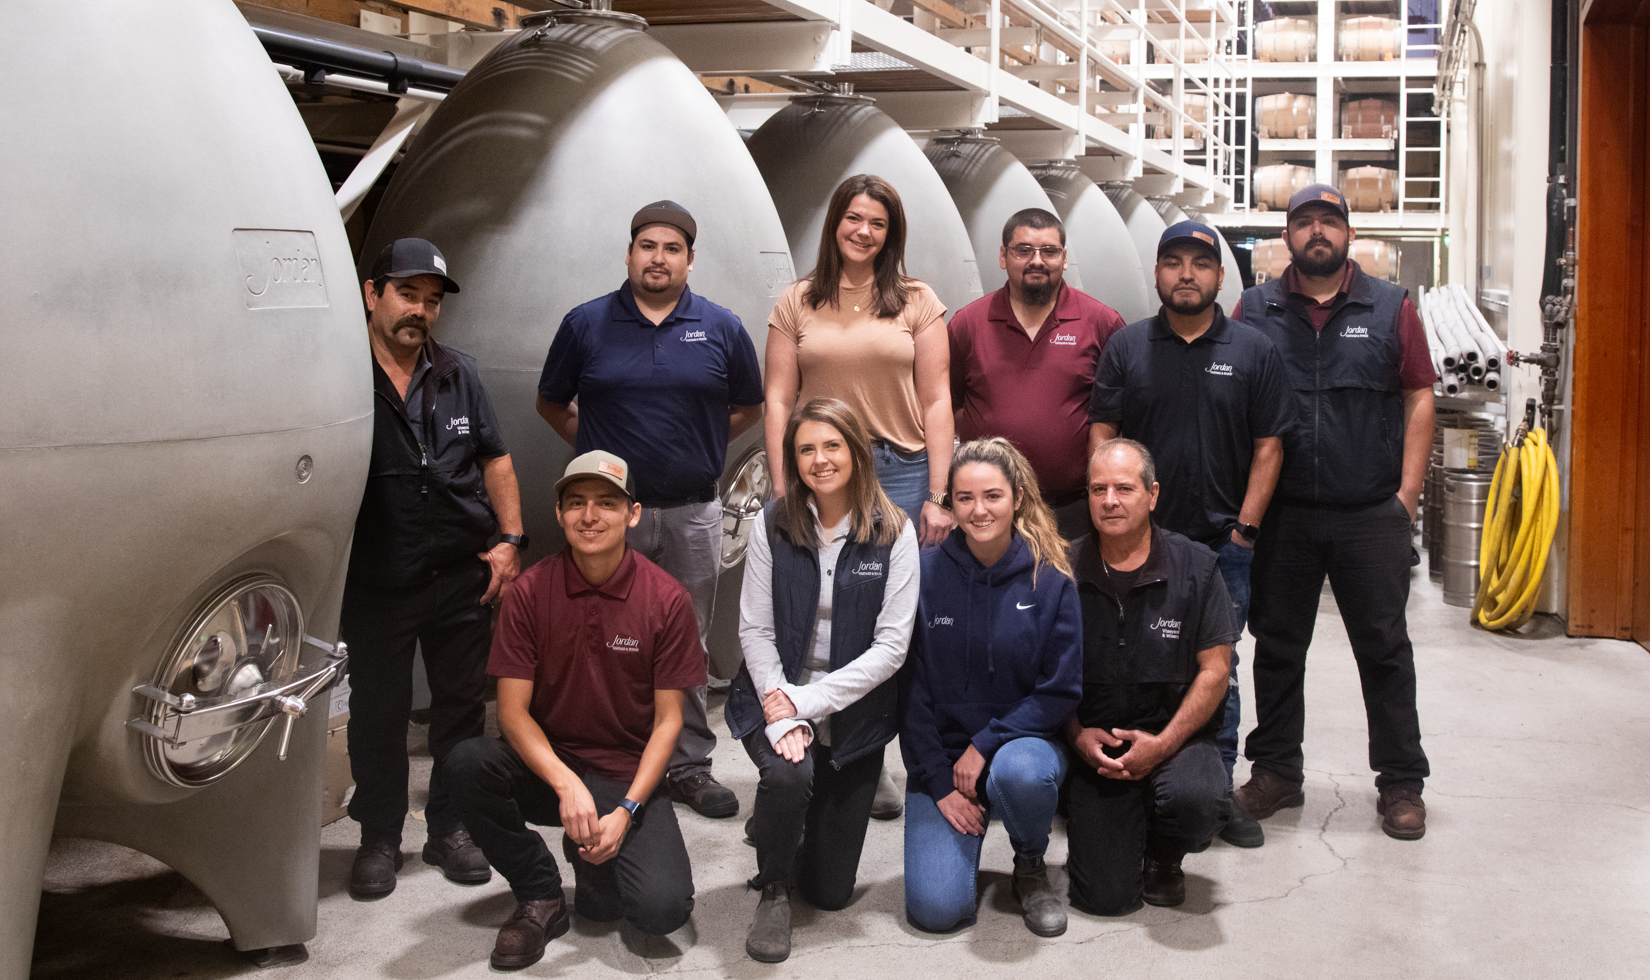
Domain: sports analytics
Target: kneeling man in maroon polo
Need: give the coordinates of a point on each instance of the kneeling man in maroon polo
(593, 650)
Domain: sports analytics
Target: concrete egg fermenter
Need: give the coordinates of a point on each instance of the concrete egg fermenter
(185, 419)
(526, 178)
(989, 186)
(1098, 241)
(812, 145)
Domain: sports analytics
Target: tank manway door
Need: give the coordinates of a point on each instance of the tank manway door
(742, 504)
(224, 683)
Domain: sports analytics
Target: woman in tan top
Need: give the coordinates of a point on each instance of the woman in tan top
(858, 329)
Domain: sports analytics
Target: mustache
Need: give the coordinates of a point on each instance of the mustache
(415, 321)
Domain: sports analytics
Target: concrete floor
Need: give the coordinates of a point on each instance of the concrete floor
(1534, 863)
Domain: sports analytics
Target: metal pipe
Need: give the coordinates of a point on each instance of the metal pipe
(297, 76)
(318, 55)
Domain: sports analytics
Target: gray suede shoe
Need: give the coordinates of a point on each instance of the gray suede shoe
(769, 940)
(1044, 913)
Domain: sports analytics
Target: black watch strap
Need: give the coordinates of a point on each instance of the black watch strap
(519, 540)
(1248, 532)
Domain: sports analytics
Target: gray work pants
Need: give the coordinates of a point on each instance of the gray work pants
(686, 541)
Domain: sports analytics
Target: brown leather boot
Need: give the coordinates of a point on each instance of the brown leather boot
(1266, 793)
(530, 928)
(1403, 815)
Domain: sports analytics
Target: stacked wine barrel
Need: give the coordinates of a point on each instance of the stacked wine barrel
(1371, 39)
(1370, 188)
(1287, 39)
(1276, 184)
(1367, 119)
(1287, 116)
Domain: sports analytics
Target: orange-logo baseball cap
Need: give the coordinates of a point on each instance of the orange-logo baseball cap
(1318, 194)
(1192, 231)
(599, 464)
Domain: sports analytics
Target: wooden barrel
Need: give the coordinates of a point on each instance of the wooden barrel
(1287, 39)
(1368, 119)
(1287, 116)
(1377, 257)
(1275, 184)
(1192, 51)
(1269, 259)
(1371, 39)
(1369, 188)
(1197, 107)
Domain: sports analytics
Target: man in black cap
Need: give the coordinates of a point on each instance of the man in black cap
(423, 572)
(1353, 461)
(1207, 396)
(663, 378)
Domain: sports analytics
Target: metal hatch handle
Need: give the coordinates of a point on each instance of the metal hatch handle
(195, 718)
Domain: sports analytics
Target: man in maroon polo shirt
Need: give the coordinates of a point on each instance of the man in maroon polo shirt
(1023, 361)
(594, 649)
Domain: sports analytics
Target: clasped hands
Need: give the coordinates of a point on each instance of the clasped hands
(1144, 754)
(961, 807)
(598, 837)
(777, 706)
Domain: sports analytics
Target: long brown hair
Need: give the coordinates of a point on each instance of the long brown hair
(888, 294)
(872, 516)
(1032, 517)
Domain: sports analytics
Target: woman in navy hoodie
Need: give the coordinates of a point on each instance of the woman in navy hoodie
(995, 668)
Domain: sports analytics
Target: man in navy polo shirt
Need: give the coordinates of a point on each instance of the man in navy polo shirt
(1206, 394)
(663, 378)
(1023, 359)
(1355, 353)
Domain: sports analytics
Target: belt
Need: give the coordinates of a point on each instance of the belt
(704, 496)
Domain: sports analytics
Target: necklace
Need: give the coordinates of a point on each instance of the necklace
(850, 287)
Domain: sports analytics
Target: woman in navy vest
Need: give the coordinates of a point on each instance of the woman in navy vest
(830, 594)
(996, 669)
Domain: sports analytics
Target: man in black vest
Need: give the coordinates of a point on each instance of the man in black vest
(422, 572)
(1148, 785)
(1353, 462)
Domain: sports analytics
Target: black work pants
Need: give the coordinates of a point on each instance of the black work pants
(810, 819)
(649, 883)
(1366, 554)
(446, 618)
(1114, 824)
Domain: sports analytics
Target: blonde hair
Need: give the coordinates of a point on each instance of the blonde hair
(866, 501)
(1032, 517)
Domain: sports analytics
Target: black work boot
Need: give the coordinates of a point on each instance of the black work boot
(529, 929)
(1164, 884)
(373, 873)
(703, 793)
(1242, 830)
(1266, 793)
(769, 939)
(458, 857)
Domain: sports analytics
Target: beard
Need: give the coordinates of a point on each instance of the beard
(1319, 267)
(1038, 293)
(1203, 302)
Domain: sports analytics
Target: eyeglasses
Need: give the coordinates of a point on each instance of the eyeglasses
(1024, 252)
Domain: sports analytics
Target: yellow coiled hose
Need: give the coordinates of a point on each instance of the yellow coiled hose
(1519, 524)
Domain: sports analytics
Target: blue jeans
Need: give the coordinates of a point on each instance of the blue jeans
(904, 477)
(1022, 785)
(1233, 560)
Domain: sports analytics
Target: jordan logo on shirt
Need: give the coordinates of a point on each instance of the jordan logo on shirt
(1169, 628)
(942, 621)
(1063, 340)
(624, 644)
(462, 424)
(1220, 370)
(1361, 333)
(692, 336)
(869, 568)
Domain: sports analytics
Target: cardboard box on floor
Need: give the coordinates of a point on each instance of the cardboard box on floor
(336, 783)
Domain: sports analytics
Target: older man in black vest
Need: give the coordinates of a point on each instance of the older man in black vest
(1356, 357)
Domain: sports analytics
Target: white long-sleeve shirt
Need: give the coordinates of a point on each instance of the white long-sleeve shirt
(824, 691)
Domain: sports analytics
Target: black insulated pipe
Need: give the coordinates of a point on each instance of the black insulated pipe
(316, 56)
(1558, 153)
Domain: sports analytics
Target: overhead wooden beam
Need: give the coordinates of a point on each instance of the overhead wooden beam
(487, 14)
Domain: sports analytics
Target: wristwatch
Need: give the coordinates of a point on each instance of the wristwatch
(519, 540)
(1248, 532)
(937, 499)
(633, 808)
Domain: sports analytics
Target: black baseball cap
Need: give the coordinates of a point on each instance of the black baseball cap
(1190, 231)
(665, 213)
(1325, 194)
(408, 257)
